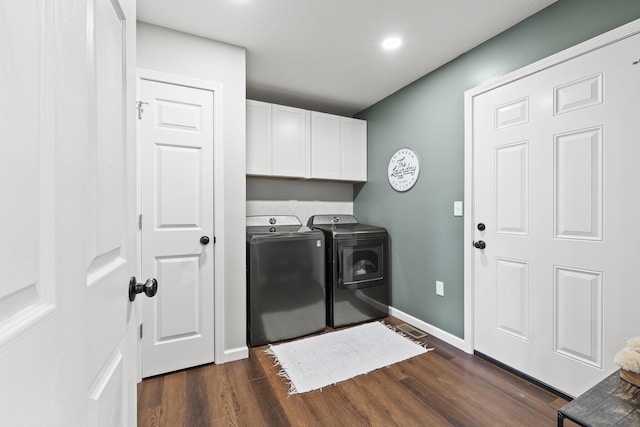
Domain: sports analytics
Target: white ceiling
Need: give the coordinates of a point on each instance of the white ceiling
(325, 55)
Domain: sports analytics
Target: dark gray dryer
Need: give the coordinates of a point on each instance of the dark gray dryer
(285, 279)
(358, 285)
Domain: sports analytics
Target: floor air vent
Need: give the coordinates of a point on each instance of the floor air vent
(411, 331)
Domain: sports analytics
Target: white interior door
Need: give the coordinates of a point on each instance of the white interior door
(111, 227)
(177, 220)
(67, 184)
(555, 172)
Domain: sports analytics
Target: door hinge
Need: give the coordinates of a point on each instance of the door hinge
(140, 330)
(140, 108)
(140, 222)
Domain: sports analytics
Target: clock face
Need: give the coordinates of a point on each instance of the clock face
(403, 170)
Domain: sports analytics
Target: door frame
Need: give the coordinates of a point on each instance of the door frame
(595, 43)
(218, 197)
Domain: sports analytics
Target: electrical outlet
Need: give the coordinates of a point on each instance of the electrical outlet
(439, 288)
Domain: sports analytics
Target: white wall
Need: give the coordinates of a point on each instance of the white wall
(297, 197)
(168, 51)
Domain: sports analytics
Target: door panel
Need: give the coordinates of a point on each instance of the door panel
(512, 297)
(177, 210)
(111, 256)
(172, 322)
(555, 154)
(178, 201)
(578, 308)
(26, 197)
(68, 216)
(106, 239)
(512, 188)
(578, 184)
(578, 94)
(29, 279)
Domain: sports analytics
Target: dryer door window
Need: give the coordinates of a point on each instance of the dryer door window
(362, 262)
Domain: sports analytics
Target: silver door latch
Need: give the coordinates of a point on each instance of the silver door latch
(140, 108)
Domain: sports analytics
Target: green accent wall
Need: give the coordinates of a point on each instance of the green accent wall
(428, 116)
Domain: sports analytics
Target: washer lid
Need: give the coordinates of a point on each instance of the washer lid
(272, 220)
(278, 226)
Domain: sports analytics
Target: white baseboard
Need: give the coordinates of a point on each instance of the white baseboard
(430, 329)
(240, 353)
(234, 354)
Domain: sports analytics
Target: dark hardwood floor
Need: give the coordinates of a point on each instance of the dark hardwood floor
(445, 387)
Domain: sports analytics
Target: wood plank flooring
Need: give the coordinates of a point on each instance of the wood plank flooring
(445, 387)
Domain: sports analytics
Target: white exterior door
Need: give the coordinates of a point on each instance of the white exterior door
(67, 184)
(176, 134)
(555, 174)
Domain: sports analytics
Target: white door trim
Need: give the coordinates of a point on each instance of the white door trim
(565, 55)
(218, 192)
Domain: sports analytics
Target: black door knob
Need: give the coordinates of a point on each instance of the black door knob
(480, 244)
(481, 227)
(204, 240)
(150, 288)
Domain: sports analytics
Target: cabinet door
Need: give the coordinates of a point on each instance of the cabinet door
(325, 146)
(353, 149)
(289, 141)
(258, 138)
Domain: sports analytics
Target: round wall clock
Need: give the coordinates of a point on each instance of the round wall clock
(403, 170)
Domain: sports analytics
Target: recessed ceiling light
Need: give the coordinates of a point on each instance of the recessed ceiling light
(392, 43)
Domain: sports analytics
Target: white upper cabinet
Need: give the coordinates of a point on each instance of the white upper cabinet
(338, 147)
(258, 138)
(325, 146)
(353, 149)
(277, 140)
(295, 143)
(290, 141)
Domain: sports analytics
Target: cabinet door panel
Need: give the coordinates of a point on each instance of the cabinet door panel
(258, 138)
(289, 141)
(325, 146)
(353, 150)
